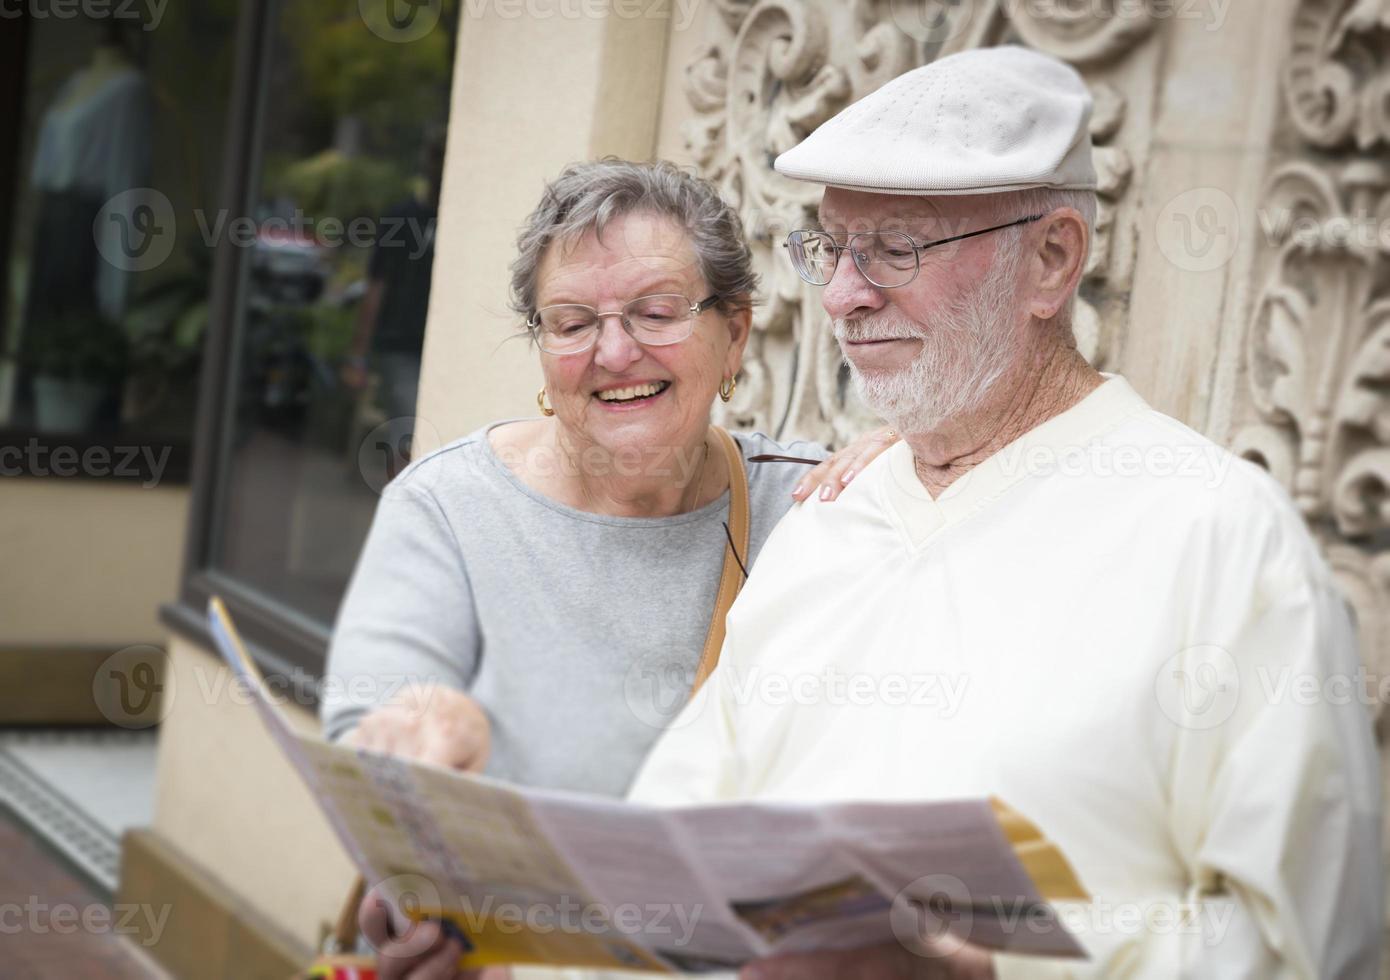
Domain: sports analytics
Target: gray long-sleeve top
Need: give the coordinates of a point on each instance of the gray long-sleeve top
(577, 633)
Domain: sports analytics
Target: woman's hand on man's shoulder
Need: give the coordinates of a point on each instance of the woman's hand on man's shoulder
(835, 472)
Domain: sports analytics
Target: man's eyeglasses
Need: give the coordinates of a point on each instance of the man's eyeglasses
(657, 320)
(885, 258)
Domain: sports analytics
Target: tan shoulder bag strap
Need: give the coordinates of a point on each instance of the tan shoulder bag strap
(731, 578)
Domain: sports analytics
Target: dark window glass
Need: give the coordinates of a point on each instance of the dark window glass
(338, 247)
(117, 147)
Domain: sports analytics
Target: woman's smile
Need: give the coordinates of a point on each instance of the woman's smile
(631, 395)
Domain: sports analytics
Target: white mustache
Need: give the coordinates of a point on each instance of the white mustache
(860, 331)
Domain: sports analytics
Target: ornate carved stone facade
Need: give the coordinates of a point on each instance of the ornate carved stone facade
(1316, 390)
(1304, 313)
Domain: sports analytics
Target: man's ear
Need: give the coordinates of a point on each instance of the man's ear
(1063, 243)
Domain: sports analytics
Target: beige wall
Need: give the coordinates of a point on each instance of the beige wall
(87, 562)
(1208, 128)
(530, 95)
(227, 796)
(683, 43)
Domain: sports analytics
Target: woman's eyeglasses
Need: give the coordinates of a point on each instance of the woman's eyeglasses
(657, 320)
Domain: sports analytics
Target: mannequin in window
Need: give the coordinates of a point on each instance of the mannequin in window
(93, 143)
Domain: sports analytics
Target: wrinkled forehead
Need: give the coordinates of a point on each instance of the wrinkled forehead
(846, 212)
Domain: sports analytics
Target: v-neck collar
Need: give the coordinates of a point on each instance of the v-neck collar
(920, 518)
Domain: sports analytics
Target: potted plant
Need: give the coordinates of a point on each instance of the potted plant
(164, 328)
(76, 359)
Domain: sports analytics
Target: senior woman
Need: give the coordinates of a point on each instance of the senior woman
(520, 579)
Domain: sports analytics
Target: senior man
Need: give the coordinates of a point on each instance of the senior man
(1143, 638)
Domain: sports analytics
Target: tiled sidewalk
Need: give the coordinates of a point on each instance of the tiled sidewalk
(43, 908)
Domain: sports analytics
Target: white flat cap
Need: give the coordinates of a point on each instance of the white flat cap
(978, 122)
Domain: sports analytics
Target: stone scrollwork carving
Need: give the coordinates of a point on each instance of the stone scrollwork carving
(1098, 305)
(1311, 316)
(1073, 31)
(1317, 349)
(1337, 83)
(1361, 494)
(785, 67)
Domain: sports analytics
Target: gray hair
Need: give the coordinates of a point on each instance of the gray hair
(586, 196)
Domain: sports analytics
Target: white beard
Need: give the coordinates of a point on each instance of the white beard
(968, 346)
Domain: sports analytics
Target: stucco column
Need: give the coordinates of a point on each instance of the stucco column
(536, 86)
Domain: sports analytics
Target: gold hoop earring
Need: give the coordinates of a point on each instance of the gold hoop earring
(546, 410)
(726, 388)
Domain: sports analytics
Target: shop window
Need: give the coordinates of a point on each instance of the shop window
(326, 262)
(116, 146)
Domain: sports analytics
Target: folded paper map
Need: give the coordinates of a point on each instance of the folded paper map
(524, 875)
